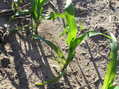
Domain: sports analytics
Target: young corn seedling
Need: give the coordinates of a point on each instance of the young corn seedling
(37, 11)
(62, 60)
(72, 41)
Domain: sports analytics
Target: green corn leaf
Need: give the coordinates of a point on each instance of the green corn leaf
(83, 37)
(55, 15)
(69, 17)
(75, 44)
(58, 51)
(111, 67)
(34, 7)
(37, 8)
(70, 20)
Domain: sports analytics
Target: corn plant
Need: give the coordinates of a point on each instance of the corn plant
(37, 11)
(111, 68)
(62, 60)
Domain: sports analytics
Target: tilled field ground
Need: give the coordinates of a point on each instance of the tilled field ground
(25, 62)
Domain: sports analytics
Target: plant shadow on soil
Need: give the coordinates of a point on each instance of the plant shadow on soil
(34, 54)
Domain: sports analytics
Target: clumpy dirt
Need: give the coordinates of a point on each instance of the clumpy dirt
(24, 61)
